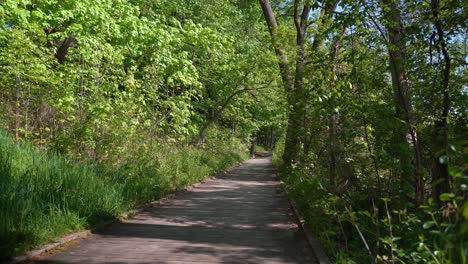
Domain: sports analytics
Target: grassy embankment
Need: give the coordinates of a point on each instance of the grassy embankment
(45, 195)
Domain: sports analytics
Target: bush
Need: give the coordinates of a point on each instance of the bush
(380, 231)
(278, 152)
(356, 228)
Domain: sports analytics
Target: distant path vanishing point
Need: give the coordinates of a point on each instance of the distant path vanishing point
(242, 216)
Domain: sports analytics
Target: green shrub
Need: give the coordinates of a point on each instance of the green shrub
(346, 227)
(278, 152)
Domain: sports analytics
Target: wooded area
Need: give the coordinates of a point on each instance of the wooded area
(107, 104)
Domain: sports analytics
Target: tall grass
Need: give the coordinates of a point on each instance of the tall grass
(44, 195)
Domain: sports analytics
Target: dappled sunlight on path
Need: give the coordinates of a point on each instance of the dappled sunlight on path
(240, 217)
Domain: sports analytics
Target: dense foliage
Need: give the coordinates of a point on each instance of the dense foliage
(111, 103)
(82, 77)
(375, 150)
(127, 100)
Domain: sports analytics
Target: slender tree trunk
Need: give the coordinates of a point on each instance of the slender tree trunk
(294, 133)
(401, 90)
(283, 62)
(374, 160)
(271, 143)
(334, 119)
(439, 170)
(291, 145)
(332, 137)
(295, 89)
(297, 96)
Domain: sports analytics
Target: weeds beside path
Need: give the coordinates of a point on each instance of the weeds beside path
(44, 196)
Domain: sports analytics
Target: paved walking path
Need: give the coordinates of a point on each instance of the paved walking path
(240, 217)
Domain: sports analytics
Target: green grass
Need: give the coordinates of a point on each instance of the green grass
(44, 195)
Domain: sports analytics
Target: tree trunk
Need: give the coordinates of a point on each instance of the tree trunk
(297, 97)
(62, 51)
(332, 137)
(295, 89)
(334, 119)
(402, 98)
(439, 170)
(271, 142)
(280, 54)
(372, 156)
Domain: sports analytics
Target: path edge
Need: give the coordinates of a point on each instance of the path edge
(81, 234)
(313, 242)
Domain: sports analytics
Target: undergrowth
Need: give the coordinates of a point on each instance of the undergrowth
(362, 226)
(45, 195)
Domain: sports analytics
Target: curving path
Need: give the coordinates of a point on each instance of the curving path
(240, 217)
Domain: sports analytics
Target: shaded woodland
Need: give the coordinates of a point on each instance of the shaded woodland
(108, 104)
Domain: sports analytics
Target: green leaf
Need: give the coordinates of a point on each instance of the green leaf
(447, 197)
(430, 201)
(428, 224)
